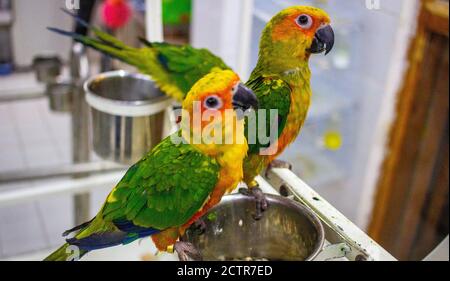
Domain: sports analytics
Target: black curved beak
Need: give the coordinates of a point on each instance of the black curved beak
(244, 98)
(323, 40)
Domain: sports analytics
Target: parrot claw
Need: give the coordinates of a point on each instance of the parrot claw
(277, 164)
(261, 201)
(186, 251)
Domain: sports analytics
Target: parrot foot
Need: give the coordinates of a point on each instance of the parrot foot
(261, 201)
(186, 251)
(199, 226)
(278, 164)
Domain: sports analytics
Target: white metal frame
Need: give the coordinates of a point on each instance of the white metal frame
(67, 186)
(153, 20)
(225, 35)
(347, 240)
(245, 38)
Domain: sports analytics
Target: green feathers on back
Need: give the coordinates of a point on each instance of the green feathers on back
(165, 188)
(272, 93)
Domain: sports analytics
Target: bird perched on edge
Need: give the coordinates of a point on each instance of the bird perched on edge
(281, 78)
(178, 181)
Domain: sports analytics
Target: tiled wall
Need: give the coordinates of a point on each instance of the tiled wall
(31, 136)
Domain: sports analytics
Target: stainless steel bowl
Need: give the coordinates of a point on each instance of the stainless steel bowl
(127, 115)
(60, 95)
(47, 68)
(288, 231)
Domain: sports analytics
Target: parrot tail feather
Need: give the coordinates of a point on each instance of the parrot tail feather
(76, 228)
(145, 42)
(77, 18)
(74, 35)
(103, 36)
(98, 241)
(108, 48)
(66, 252)
(147, 59)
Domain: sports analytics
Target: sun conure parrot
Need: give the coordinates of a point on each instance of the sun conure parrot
(281, 78)
(178, 181)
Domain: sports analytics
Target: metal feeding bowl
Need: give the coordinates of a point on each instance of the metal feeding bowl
(127, 115)
(60, 95)
(288, 231)
(47, 68)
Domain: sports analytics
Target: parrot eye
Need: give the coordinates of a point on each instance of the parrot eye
(304, 21)
(213, 102)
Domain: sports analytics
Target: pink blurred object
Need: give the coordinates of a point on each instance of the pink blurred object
(115, 13)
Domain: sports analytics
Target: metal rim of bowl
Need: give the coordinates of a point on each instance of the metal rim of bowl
(61, 81)
(47, 58)
(312, 217)
(118, 107)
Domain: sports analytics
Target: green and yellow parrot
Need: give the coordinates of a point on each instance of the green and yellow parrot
(281, 78)
(178, 181)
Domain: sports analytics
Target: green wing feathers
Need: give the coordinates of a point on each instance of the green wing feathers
(165, 188)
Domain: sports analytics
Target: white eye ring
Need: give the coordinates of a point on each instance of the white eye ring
(213, 102)
(304, 21)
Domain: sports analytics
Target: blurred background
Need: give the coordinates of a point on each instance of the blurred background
(375, 143)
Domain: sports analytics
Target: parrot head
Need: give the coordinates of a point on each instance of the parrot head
(215, 101)
(294, 34)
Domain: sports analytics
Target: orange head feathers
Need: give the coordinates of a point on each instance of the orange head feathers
(212, 101)
(295, 32)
